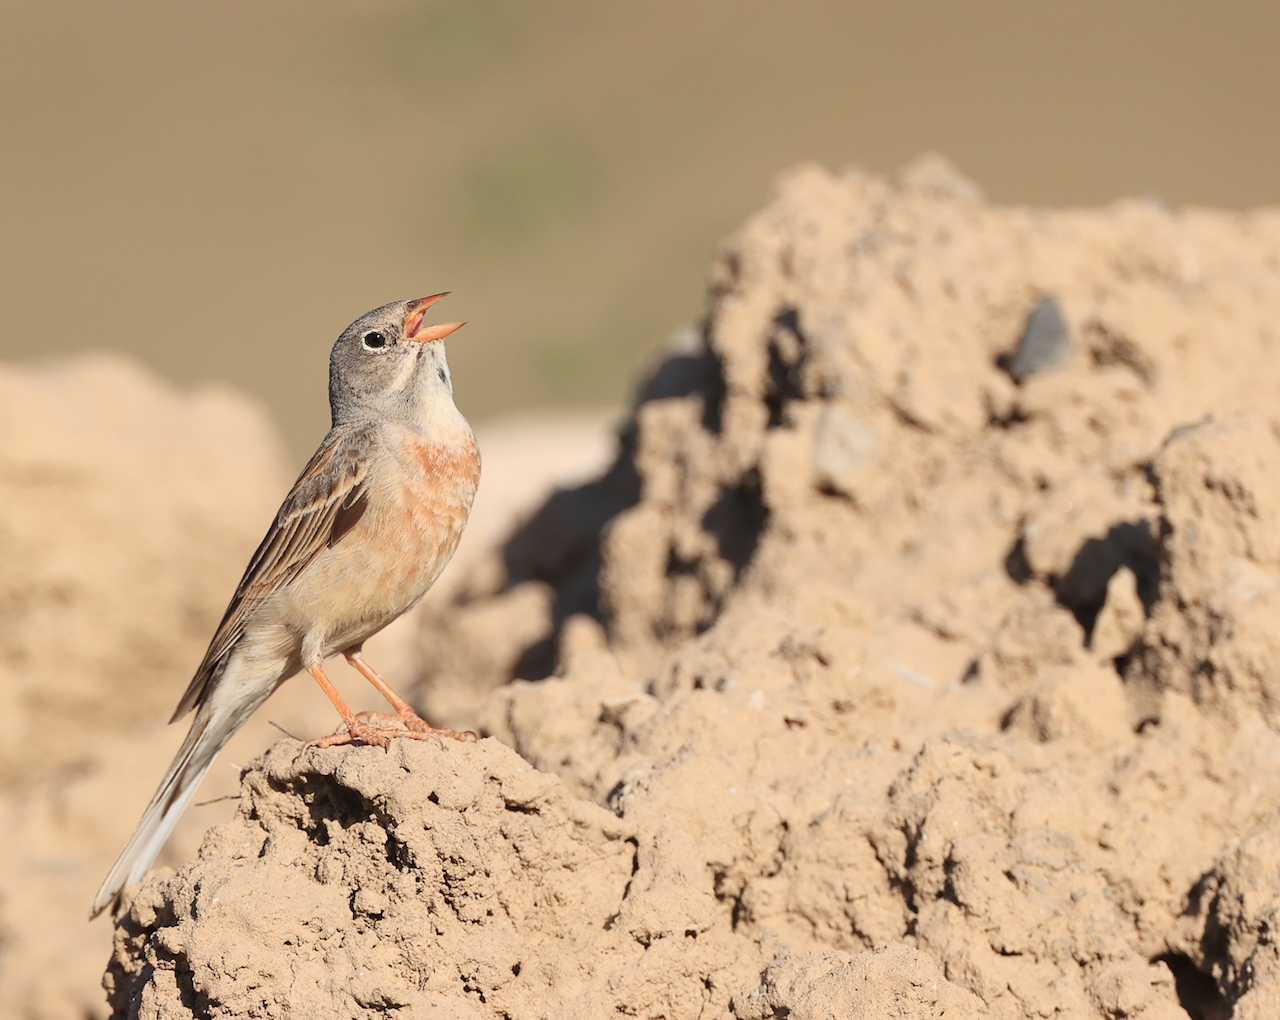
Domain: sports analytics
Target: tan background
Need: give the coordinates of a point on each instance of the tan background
(219, 187)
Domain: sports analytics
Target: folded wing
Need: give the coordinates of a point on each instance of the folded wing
(324, 504)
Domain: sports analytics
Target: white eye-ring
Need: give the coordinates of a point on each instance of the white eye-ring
(373, 340)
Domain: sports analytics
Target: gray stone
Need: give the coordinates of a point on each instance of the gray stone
(841, 449)
(1045, 342)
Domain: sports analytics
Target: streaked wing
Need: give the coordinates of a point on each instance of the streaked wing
(325, 502)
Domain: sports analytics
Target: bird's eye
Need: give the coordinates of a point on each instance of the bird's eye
(373, 340)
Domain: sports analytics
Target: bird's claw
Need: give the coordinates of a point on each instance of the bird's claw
(420, 728)
(415, 728)
(376, 736)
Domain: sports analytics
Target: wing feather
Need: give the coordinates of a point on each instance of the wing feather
(325, 502)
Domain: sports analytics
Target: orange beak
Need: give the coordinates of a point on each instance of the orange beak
(413, 328)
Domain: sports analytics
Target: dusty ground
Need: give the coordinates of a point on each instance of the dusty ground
(916, 657)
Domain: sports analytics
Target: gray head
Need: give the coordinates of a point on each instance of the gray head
(387, 364)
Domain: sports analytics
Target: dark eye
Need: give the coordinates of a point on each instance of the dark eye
(373, 340)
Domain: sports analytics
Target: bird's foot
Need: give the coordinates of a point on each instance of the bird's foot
(366, 728)
(378, 736)
(416, 727)
(421, 729)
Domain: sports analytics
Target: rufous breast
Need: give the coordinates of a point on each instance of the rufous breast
(439, 493)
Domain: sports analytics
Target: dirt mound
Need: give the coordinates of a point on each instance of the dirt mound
(457, 878)
(482, 871)
(918, 644)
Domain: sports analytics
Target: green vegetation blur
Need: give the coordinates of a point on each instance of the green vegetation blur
(219, 186)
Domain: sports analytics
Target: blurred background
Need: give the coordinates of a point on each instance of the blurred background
(220, 186)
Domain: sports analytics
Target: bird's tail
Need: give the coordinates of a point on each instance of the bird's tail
(209, 731)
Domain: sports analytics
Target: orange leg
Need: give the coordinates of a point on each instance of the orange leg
(357, 729)
(414, 723)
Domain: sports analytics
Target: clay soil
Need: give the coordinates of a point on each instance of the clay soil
(918, 655)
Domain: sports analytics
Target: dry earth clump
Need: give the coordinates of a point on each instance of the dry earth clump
(915, 658)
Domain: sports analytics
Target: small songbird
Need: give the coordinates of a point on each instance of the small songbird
(364, 532)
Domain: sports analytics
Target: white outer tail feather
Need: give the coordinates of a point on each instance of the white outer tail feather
(194, 757)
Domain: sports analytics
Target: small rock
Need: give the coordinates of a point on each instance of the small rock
(1121, 618)
(1045, 342)
(842, 447)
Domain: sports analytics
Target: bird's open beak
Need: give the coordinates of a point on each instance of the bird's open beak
(415, 331)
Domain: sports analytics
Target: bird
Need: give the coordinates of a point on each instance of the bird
(366, 529)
